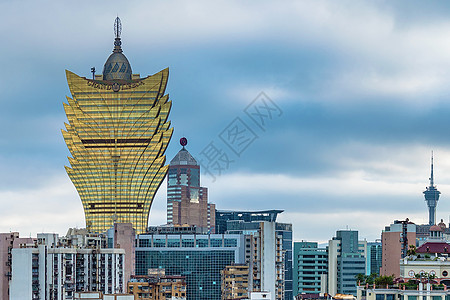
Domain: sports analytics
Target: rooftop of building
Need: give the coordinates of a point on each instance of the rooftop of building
(117, 66)
(183, 158)
(434, 247)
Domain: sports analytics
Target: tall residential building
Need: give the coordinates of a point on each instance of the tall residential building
(346, 259)
(123, 236)
(431, 197)
(310, 268)
(117, 135)
(249, 222)
(396, 240)
(47, 271)
(8, 241)
(266, 256)
(374, 257)
(187, 201)
(198, 257)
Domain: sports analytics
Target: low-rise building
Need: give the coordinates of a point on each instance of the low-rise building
(423, 292)
(430, 260)
(235, 282)
(101, 296)
(157, 287)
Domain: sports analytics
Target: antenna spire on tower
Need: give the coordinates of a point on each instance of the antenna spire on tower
(117, 28)
(117, 33)
(432, 196)
(432, 176)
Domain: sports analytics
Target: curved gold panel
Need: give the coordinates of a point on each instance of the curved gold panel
(117, 134)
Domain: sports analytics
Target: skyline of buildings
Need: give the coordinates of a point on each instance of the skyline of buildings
(270, 241)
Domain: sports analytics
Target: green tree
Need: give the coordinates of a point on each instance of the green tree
(412, 250)
(384, 280)
(361, 278)
(371, 278)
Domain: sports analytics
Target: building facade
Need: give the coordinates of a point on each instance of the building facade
(117, 133)
(198, 257)
(157, 287)
(9, 241)
(249, 222)
(374, 257)
(310, 268)
(267, 256)
(47, 271)
(396, 240)
(223, 216)
(423, 292)
(187, 201)
(346, 259)
(234, 281)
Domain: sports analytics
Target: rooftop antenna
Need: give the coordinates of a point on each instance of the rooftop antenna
(117, 28)
(432, 177)
(117, 33)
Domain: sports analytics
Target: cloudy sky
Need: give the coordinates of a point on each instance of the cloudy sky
(361, 91)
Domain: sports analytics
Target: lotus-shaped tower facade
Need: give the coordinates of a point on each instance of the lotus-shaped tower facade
(117, 134)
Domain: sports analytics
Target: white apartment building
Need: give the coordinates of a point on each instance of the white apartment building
(50, 271)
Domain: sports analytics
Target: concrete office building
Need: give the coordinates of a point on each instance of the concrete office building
(310, 268)
(187, 201)
(200, 258)
(396, 240)
(249, 222)
(346, 259)
(47, 271)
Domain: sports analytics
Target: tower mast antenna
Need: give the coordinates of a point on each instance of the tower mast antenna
(117, 28)
(432, 176)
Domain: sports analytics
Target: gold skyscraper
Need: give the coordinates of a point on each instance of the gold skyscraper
(117, 135)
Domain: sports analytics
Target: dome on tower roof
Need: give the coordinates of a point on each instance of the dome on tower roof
(117, 66)
(435, 228)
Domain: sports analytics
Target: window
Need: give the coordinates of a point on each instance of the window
(379, 297)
